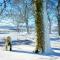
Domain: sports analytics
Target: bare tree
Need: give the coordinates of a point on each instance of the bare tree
(4, 4)
(58, 8)
(47, 7)
(26, 17)
(39, 26)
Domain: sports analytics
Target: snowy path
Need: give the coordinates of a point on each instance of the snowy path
(22, 56)
(23, 49)
(22, 52)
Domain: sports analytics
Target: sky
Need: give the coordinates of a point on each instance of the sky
(51, 10)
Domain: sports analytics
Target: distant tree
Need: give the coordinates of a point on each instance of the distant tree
(49, 8)
(3, 5)
(49, 21)
(26, 8)
(26, 15)
(58, 8)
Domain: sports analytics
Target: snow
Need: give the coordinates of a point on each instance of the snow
(20, 56)
(24, 44)
(20, 53)
(23, 51)
(24, 55)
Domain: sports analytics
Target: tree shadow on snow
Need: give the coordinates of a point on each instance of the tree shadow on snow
(22, 42)
(19, 42)
(56, 48)
(43, 54)
(55, 39)
(1, 44)
(23, 51)
(52, 54)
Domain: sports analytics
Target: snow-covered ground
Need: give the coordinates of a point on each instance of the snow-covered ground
(24, 56)
(23, 46)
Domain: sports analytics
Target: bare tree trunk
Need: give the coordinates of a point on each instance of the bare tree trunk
(58, 8)
(26, 17)
(49, 23)
(47, 47)
(18, 31)
(18, 28)
(27, 26)
(39, 27)
(42, 28)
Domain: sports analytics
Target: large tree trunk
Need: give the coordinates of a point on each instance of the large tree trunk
(39, 27)
(42, 27)
(46, 29)
(58, 8)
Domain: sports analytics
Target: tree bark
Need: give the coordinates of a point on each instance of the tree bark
(58, 8)
(39, 27)
(46, 29)
(42, 28)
